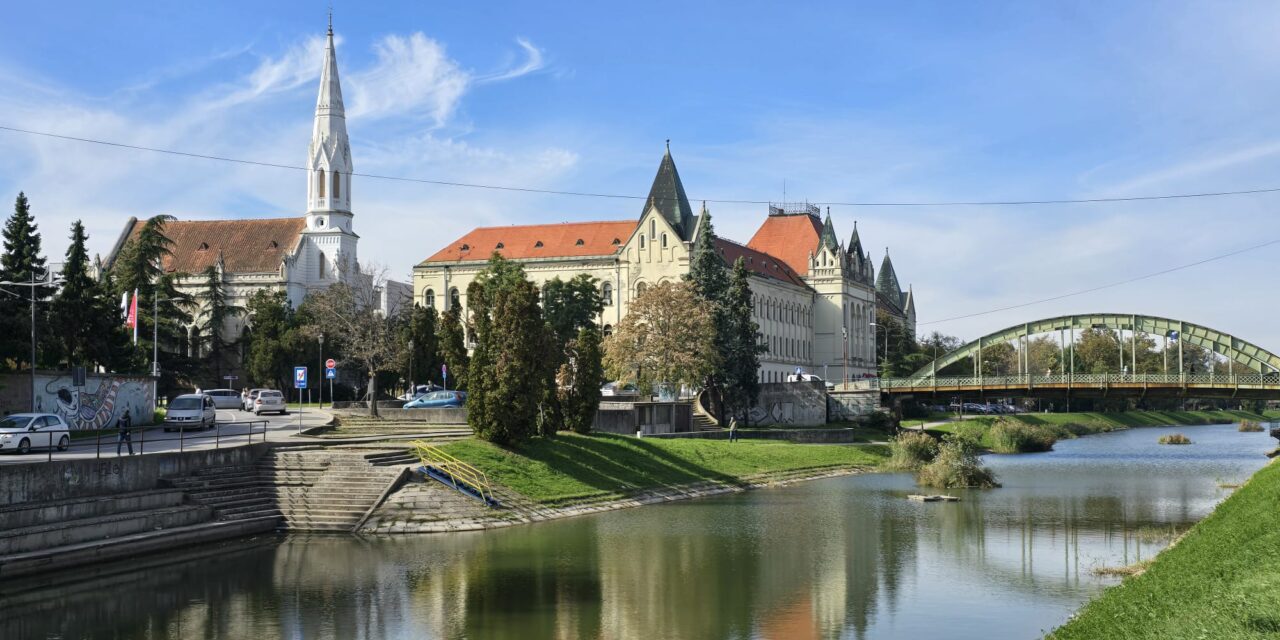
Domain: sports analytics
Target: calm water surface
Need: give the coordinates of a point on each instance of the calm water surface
(841, 558)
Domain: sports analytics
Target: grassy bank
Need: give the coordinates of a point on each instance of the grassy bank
(1220, 581)
(1025, 432)
(574, 467)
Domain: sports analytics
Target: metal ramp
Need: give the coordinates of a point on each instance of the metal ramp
(454, 473)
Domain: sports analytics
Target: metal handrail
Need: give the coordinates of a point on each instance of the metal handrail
(138, 437)
(1085, 379)
(458, 470)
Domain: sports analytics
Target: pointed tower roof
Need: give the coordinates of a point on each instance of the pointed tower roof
(855, 243)
(668, 197)
(828, 237)
(330, 149)
(887, 281)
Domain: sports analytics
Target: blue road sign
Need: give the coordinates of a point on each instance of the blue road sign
(299, 377)
(330, 373)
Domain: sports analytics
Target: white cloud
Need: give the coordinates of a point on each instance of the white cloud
(533, 62)
(413, 77)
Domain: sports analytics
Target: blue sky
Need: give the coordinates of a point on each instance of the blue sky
(843, 101)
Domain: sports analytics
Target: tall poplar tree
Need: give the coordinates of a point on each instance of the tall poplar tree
(452, 349)
(710, 280)
(742, 357)
(422, 362)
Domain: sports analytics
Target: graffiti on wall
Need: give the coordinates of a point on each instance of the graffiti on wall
(99, 403)
(851, 406)
(773, 413)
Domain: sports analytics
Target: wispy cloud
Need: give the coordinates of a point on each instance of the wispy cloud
(413, 76)
(533, 62)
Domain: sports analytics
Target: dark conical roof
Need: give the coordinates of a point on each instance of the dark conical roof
(887, 281)
(855, 243)
(828, 237)
(667, 195)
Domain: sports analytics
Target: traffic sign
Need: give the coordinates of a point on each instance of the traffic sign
(299, 377)
(330, 373)
(331, 364)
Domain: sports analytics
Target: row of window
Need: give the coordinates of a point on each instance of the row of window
(320, 184)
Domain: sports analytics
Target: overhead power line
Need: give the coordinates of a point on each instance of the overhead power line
(622, 196)
(1107, 286)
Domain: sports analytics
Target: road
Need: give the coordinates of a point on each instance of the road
(233, 429)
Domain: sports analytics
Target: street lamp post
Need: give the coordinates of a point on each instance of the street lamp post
(844, 332)
(319, 380)
(32, 288)
(412, 386)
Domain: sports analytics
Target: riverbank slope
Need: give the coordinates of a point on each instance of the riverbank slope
(1220, 581)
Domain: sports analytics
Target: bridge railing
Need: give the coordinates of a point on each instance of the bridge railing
(1085, 380)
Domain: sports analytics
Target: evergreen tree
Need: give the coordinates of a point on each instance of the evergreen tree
(215, 311)
(742, 358)
(21, 262)
(82, 313)
(452, 349)
(710, 280)
(422, 365)
(570, 306)
(507, 385)
(270, 357)
(579, 380)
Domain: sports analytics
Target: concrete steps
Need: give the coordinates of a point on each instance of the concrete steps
(68, 532)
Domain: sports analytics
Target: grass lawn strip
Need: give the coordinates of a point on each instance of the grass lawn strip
(573, 467)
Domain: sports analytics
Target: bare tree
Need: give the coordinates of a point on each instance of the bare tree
(352, 311)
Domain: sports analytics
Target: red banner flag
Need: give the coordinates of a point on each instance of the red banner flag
(133, 316)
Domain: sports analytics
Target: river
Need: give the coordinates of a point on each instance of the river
(839, 558)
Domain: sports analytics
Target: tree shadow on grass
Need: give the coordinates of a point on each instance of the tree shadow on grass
(665, 458)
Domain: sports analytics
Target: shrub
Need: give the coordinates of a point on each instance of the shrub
(911, 450)
(956, 465)
(1249, 426)
(1008, 436)
(879, 420)
(1175, 438)
(971, 430)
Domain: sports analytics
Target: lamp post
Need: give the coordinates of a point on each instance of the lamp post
(319, 380)
(31, 286)
(875, 348)
(844, 332)
(412, 386)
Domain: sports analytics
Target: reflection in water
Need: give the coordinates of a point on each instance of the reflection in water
(838, 558)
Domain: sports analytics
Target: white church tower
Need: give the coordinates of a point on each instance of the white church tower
(328, 226)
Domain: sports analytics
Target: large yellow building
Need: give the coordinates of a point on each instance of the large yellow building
(815, 298)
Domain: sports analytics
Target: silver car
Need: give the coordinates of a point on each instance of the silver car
(224, 398)
(253, 395)
(190, 411)
(23, 432)
(269, 400)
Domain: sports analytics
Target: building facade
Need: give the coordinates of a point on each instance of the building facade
(815, 298)
(296, 255)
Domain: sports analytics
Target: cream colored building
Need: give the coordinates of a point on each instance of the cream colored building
(811, 293)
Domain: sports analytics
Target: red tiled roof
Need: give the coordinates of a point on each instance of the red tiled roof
(791, 238)
(563, 240)
(758, 262)
(247, 246)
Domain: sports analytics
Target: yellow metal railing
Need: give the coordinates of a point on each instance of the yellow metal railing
(458, 470)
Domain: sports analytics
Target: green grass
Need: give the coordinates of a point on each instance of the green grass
(1220, 581)
(571, 468)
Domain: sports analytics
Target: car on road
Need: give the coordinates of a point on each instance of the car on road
(809, 377)
(269, 401)
(619, 389)
(22, 432)
(419, 391)
(248, 399)
(224, 398)
(190, 411)
(438, 400)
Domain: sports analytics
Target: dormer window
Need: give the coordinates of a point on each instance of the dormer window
(579, 243)
(204, 246)
(500, 246)
(273, 245)
(537, 245)
(465, 247)
(616, 242)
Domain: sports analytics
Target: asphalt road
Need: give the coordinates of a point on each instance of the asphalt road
(233, 430)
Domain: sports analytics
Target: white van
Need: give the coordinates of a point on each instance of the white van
(190, 411)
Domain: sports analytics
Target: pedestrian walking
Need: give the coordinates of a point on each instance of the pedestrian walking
(125, 435)
(733, 429)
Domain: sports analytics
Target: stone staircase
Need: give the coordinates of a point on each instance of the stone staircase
(700, 418)
(305, 489)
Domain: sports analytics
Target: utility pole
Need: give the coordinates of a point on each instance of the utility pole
(32, 285)
(320, 367)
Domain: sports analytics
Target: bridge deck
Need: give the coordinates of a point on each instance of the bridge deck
(1252, 385)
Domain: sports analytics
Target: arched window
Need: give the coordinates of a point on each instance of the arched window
(429, 298)
(664, 241)
(653, 229)
(642, 241)
(454, 300)
(324, 267)
(337, 185)
(319, 183)
(606, 293)
(608, 330)
(640, 287)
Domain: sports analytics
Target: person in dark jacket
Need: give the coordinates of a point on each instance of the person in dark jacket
(125, 435)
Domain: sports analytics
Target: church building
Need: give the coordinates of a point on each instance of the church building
(296, 255)
(815, 298)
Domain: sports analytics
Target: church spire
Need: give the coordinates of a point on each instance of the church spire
(329, 157)
(667, 195)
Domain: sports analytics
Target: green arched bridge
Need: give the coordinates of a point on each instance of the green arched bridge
(1252, 372)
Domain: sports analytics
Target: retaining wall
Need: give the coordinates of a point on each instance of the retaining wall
(789, 404)
(62, 479)
(801, 436)
(850, 405)
(97, 405)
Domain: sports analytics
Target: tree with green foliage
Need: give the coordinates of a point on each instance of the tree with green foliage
(579, 379)
(710, 279)
(667, 337)
(215, 311)
(903, 356)
(571, 305)
(84, 314)
(507, 386)
(20, 262)
(350, 311)
(451, 347)
(270, 358)
(422, 360)
(742, 356)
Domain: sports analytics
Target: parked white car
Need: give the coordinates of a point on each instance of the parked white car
(23, 432)
(190, 411)
(224, 398)
(268, 401)
(809, 377)
(248, 400)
